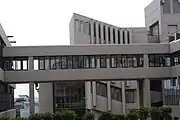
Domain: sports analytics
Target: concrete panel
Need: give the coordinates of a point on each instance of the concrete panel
(116, 107)
(46, 97)
(85, 50)
(101, 103)
(1, 74)
(98, 74)
(9, 113)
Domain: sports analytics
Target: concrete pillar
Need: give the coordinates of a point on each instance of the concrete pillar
(103, 41)
(109, 94)
(146, 93)
(111, 35)
(31, 94)
(88, 95)
(92, 32)
(94, 92)
(116, 35)
(121, 36)
(123, 98)
(138, 96)
(131, 35)
(146, 61)
(31, 87)
(107, 33)
(97, 34)
(126, 37)
(46, 97)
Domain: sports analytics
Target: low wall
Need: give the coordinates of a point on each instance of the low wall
(9, 113)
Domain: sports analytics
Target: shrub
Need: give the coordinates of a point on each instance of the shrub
(57, 116)
(155, 113)
(36, 116)
(88, 116)
(132, 116)
(143, 113)
(106, 116)
(119, 117)
(19, 118)
(166, 113)
(4, 118)
(67, 114)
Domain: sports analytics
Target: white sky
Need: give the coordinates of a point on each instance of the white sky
(46, 22)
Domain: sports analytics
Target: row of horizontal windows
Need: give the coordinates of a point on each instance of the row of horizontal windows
(91, 61)
(76, 62)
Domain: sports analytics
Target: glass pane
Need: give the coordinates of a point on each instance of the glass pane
(86, 61)
(25, 64)
(64, 62)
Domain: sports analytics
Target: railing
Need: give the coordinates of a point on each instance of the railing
(9, 113)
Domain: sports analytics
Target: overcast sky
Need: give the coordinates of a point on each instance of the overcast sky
(46, 22)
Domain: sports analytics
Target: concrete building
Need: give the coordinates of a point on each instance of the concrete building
(106, 68)
(6, 90)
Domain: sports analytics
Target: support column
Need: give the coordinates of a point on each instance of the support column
(146, 93)
(123, 98)
(109, 94)
(92, 33)
(88, 95)
(31, 94)
(138, 96)
(94, 92)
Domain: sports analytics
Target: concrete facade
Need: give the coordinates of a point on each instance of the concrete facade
(105, 67)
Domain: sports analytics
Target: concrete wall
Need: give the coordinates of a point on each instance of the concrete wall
(46, 97)
(9, 113)
(85, 50)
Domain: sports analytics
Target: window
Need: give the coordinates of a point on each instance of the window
(159, 60)
(58, 62)
(103, 62)
(101, 89)
(128, 37)
(95, 30)
(130, 62)
(99, 33)
(116, 93)
(92, 62)
(119, 61)
(75, 62)
(86, 61)
(47, 63)
(113, 61)
(41, 61)
(123, 37)
(172, 29)
(130, 96)
(109, 33)
(104, 34)
(80, 62)
(114, 40)
(64, 62)
(52, 63)
(124, 61)
(69, 62)
(119, 39)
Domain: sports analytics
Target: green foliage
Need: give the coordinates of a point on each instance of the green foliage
(88, 116)
(143, 113)
(4, 118)
(166, 113)
(106, 116)
(132, 116)
(119, 117)
(57, 116)
(36, 116)
(155, 113)
(19, 118)
(67, 114)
